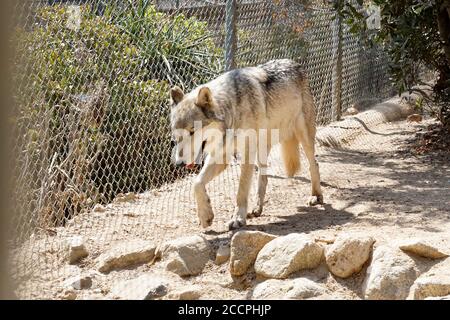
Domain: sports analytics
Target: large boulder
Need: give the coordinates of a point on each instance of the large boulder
(423, 248)
(431, 286)
(145, 287)
(348, 254)
(390, 275)
(285, 255)
(299, 288)
(245, 246)
(185, 256)
(125, 255)
(434, 283)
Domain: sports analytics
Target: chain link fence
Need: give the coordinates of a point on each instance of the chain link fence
(91, 120)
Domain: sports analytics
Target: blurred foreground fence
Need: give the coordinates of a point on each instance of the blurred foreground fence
(91, 79)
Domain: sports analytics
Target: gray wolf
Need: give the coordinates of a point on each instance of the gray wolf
(274, 96)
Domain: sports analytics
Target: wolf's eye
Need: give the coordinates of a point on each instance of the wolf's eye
(191, 133)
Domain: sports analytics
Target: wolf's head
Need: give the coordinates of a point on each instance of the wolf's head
(193, 121)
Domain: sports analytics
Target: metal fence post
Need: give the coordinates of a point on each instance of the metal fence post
(337, 68)
(230, 37)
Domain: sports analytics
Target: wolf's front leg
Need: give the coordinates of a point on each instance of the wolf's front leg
(204, 210)
(240, 216)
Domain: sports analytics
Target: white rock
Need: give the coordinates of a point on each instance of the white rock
(271, 289)
(304, 288)
(285, 255)
(390, 275)
(438, 298)
(188, 293)
(94, 296)
(126, 254)
(185, 256)
(434, 283)
(223, 254)
(299, 288)
(431, 286)
(245, 246)
(79, 282)
(348, 254)
(422, 248)
(76, 250)
(145, 287)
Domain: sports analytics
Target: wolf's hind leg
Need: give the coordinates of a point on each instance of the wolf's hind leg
(204, 210)
(240, 216)
(262, 184)
(307, 139)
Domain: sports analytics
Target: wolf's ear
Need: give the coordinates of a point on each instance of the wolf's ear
(204, 98)
(176, 94)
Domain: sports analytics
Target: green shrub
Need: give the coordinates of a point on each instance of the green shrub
(173, 48)
(92, 116)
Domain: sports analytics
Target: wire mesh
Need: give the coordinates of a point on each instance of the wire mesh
(91, 126)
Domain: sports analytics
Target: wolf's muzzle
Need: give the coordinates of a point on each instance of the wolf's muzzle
(181, 163)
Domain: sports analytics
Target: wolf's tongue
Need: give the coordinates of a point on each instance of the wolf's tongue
(190, 166)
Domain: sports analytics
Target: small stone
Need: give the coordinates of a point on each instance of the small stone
(77, 250)
(185, 256)
(300, 288)
(348, 254)
(285, 255)
(325, 239)
(145, 287)
(126, 254)
(245, 246)
(99, 208)
(422, 248)
(414, 118)
(79, 282)
(130, 196)
(351, 111)
(69, 295)
(222, 254)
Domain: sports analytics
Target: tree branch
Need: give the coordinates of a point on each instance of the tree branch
(443, 20)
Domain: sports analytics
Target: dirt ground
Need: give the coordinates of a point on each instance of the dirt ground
(375, 185)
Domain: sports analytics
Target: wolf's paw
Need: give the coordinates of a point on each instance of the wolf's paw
(256, 212)
(205, 217)
(236, 224)
(315, 200)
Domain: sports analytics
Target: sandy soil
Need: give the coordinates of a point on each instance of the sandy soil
(374, 185)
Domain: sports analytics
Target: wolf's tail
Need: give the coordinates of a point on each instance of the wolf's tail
(290, 153)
